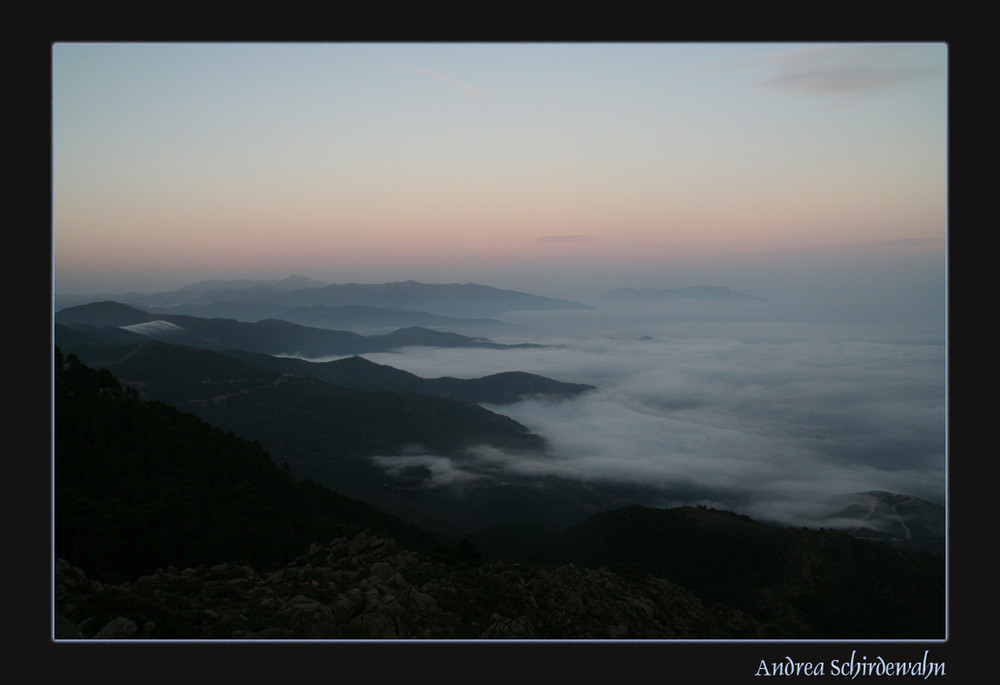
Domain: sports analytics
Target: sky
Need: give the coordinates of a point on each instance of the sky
(556, 168)
(818, 170)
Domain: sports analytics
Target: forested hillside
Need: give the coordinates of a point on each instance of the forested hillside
(140, 485)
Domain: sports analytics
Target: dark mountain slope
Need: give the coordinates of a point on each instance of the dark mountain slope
(899, 520)
(299, 411)
(140, 485)
(366, 317)
(168, 528)
(801, 582)
(419, 336)
(361, 374)
(105, 313)
(95, 345)
(174, 373)
(504, 387)
(285, 410)
(112, 321)
(271, 336)
(356, 318)
(330, 434)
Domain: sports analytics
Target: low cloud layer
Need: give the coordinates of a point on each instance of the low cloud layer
(768, 427)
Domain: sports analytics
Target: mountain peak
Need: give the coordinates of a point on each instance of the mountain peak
(104, 313)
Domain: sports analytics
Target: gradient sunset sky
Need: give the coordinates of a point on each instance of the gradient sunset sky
(547, 167)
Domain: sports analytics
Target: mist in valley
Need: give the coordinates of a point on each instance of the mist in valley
(770, 408)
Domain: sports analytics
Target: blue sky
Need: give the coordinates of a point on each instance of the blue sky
(542, 167)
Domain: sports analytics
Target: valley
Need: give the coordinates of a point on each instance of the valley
(508, 461)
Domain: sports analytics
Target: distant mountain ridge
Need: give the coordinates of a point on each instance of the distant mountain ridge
(105, 313)
(293, 282)
(349, 317)
(465, 299)
(269, 336)
(362, 374)
(201, 291)
(697, 292)
(447, 299)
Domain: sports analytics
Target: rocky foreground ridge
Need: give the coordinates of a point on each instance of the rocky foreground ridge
(366, 587)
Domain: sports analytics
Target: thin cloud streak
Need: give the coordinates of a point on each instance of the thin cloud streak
(464, 87)
(838, 69)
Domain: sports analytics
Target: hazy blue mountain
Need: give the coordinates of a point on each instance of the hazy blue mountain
(203, 292)
(269, 336)
(366, 317)
(242, 284)
(697, 292)
(229, 309)
(257, 291)
(452, 299)
(418, 336)
(105, 313)
(357, 318)
(447, 299)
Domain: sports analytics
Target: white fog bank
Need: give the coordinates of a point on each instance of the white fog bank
(753, 408)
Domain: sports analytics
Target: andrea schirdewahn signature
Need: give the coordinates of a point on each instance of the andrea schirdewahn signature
(854, 667)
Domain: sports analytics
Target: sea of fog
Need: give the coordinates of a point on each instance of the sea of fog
(768, 408)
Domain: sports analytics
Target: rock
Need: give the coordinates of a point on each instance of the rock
(505, 628)
(348, 605)
(271, 634)
(66, 629)
(375, 625)
(307, 617)
(118, 629)
(68, 577)
(419, 601)
(383, 570)
(355, 589)
(372, 600)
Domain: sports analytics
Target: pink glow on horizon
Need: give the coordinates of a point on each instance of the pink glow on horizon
(461, 159)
